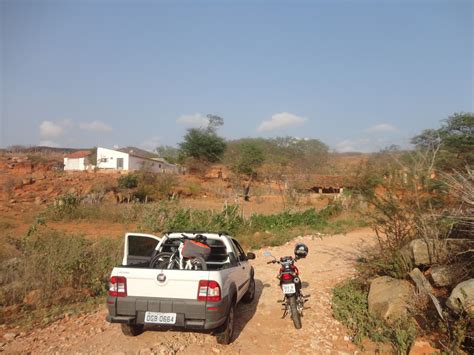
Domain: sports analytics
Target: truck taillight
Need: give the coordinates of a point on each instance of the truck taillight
(209, 290)
(118, 286)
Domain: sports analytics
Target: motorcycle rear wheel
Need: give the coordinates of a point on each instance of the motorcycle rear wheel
(295, 315)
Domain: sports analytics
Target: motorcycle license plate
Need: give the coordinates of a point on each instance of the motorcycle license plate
(288, 288)
(160, 318)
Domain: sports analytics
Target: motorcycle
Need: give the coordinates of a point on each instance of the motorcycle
(290, 283)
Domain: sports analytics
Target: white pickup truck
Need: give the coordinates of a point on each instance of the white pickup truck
(187, 299)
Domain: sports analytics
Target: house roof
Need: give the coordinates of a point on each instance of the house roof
(78, 154)
(140, 153)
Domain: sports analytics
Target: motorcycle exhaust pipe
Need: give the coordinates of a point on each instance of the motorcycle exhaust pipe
(296, 280)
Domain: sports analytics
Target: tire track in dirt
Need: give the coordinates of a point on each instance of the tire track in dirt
(259, 326)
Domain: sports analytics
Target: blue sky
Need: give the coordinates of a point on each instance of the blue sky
(358, 75)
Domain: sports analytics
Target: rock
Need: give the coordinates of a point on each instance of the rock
(462, 297)
(10, 336)
(422, 251)
(446, 275)
(39, 176)
(27, 181)
(421, 347)
(426, 251)
(389, 298)
(421, 281)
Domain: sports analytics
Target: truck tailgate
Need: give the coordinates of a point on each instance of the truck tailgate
(180, 284)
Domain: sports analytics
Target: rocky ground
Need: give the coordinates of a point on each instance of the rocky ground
(260, 328)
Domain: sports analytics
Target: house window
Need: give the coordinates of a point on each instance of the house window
(103, 160)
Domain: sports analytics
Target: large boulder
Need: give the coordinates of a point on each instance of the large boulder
(462, 298)
(446, 275)
(389, 298)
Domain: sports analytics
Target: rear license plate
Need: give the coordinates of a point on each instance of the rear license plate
(288, 288)
(160, 318)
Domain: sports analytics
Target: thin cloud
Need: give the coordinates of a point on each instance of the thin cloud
(280, 120)
(50, 129)
(193, 120)
(95, 126)
(382, 128)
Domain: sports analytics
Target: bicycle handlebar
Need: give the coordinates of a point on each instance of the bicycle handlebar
(198, 237)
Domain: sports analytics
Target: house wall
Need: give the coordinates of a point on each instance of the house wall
(74, 164)
(137, 163)
(107, 159)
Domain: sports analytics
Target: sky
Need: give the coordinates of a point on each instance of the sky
(358, 75)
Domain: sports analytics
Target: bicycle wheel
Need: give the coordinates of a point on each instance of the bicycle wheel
(161, 261)
(198, 263)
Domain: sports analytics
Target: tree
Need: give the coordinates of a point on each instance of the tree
(250, 158)
(455, 140)
(204, 144)
(170, 154)
(214, 122)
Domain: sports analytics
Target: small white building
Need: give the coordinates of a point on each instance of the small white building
(130, 160)
(78, 161)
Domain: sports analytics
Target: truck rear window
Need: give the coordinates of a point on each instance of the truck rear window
(218, 249)
(139, 246)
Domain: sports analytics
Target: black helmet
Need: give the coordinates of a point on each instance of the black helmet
(301, 250)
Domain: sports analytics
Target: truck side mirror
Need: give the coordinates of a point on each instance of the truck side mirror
(250, 256)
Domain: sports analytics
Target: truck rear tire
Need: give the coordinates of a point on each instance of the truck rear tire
(132, 330)
(225, 332)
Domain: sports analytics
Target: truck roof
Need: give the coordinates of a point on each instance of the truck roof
(197, 232)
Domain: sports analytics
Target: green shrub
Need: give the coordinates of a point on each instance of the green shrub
(129, 181)
(64, 206)
(350, 306)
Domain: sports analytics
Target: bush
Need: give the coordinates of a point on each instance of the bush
(129, 181)
(51, 261)
(64, 206)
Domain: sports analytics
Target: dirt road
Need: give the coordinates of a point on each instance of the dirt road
(259, 328)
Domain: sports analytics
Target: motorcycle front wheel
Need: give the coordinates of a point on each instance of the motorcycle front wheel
(295, 315)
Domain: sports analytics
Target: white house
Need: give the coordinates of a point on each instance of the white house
(130, 159)
(77, 161)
